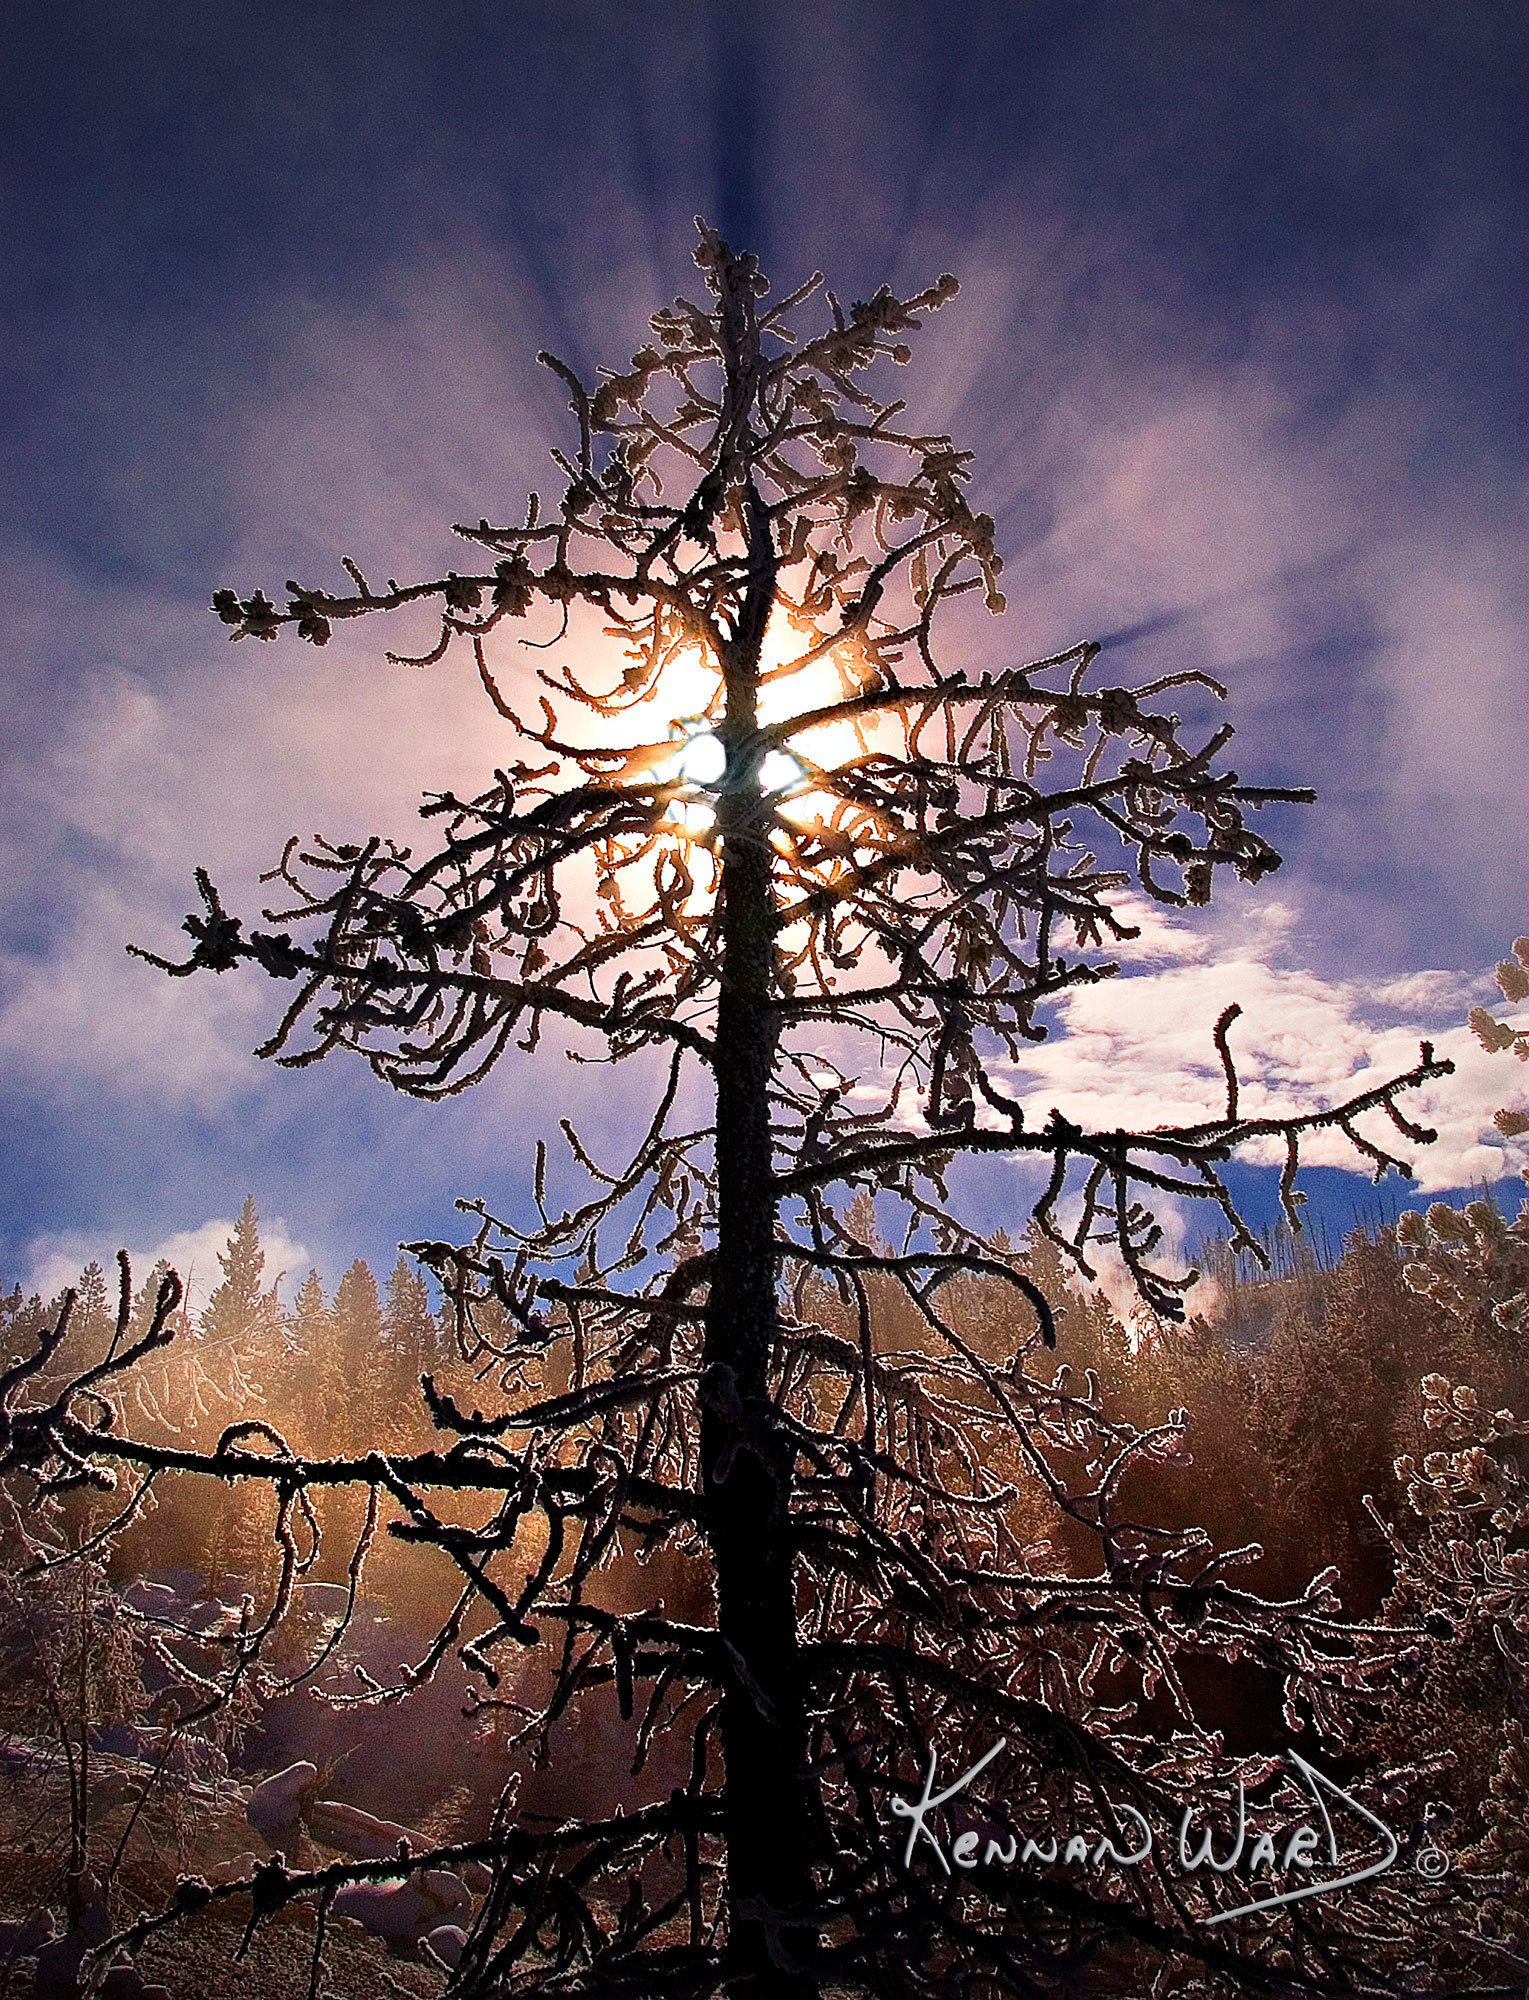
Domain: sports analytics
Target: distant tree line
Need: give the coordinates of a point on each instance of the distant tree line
(1294, 1446)
(335, 1374)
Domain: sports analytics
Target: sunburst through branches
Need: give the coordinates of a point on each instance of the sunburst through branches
(771, 838)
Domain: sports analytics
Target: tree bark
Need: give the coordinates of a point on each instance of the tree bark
(746, 1463)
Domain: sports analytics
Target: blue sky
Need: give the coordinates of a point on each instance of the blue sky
(1239, 345)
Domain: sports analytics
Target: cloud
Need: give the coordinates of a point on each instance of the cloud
(1172, 1258)
(1158, 483)
(1453, 614)
(87, 1020)
(1213, 422)
(1431, 993)
(55, 1260)
(1136, 1052)
(1254, 509)
(151, 770)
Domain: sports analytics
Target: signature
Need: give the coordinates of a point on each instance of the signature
(1312, 1845)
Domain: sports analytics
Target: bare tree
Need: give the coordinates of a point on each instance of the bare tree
(781, 847)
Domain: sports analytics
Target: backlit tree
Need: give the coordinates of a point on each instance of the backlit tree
(758, 840)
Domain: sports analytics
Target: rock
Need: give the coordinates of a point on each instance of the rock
(89, 1917)
(357, 1833)
(190, 1756)
(122, 1982)
(448, 1888)
(157, 1599)
(277, 1805)
(404, 1912)
(21, 1940)
(126, 1739)
(395, 1911)
(447, 1941)
(210, 1616)
(478, 1878)
(58, 1967)
(327, 1600)
(240, 1868)
(59, 1960)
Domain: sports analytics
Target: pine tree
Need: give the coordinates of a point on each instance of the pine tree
(236, 1354)
(93, 1316)
(240, 1327)
(830, 893)
(366, 1411)
(313, 1384)
(409, 1335)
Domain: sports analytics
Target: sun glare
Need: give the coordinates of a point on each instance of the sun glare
(819, 684)
(690, 816)
(688, 690)
(780, 771)
(699, 760)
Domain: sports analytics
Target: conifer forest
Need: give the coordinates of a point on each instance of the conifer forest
(724, 1566)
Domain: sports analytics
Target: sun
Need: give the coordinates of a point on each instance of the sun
(690, 688)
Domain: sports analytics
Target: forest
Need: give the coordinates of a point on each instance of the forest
(588, 1625)
(1356, 1421)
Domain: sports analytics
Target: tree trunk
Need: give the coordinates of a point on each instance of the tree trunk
(769, 1817)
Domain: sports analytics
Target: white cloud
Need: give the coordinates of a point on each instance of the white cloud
(1171, 1259)
(1204, 493)
(90, 1018)
(1422, 993)
(139, 784)
(1369, 626)
(1455, 666)
(55, 1260)
(1198, 499)
(1136, 1052)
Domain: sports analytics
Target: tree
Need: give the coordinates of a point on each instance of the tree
(315, 1394)
(238, 1353)
(409, 1332)
(239, 1314)
(1497, 1037)
(794, 853)
(357, 1317)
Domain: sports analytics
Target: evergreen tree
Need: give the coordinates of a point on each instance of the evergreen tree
(237, 1354)
(409, 1333)
(827, 839)
(241, 1316)
(366, 1415)
(91, 1322)
(312, 1389)
(142, 1311)
(94, 1314)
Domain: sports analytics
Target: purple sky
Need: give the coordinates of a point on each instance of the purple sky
(1238, 343)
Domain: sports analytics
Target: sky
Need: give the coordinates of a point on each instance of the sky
(1239, 344)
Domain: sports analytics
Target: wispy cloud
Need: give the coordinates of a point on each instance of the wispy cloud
(1227, 358)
